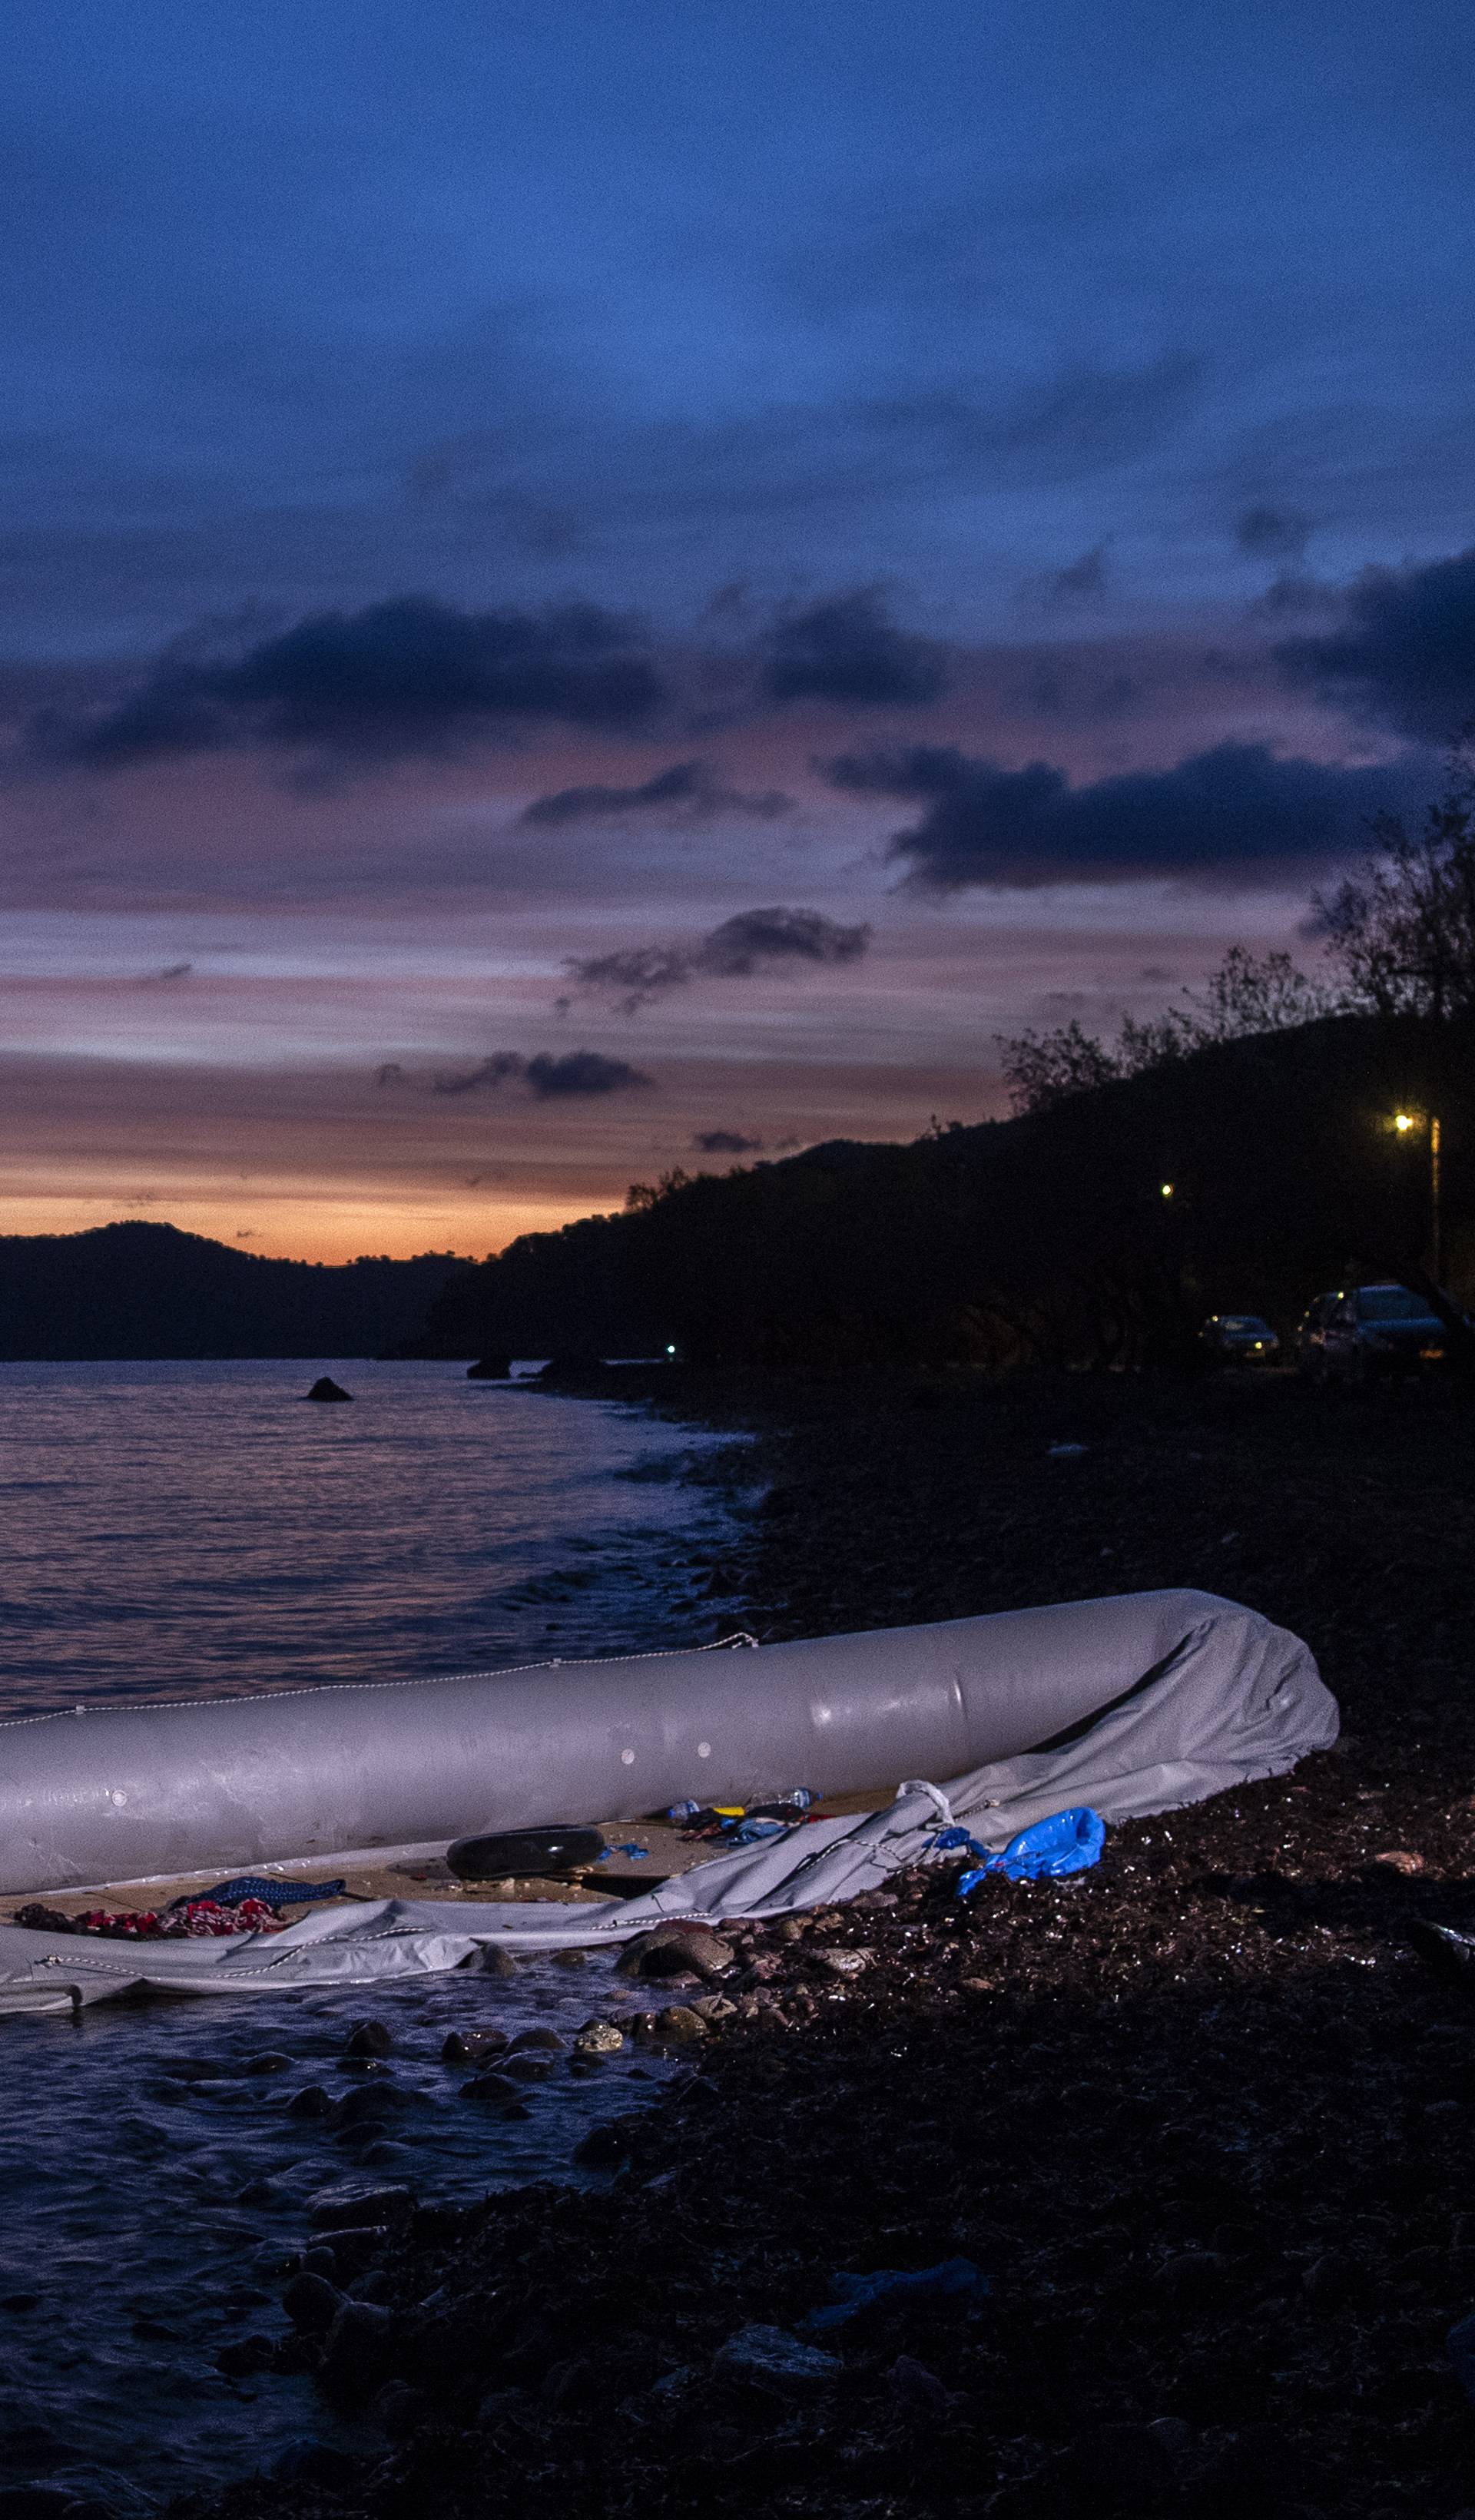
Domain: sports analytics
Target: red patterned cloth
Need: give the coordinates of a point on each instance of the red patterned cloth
(191, 1916)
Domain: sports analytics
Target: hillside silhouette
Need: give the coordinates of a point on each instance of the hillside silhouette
(139, 1290)
(1045, 1238)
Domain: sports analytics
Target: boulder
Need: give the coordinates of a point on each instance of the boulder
(775, 2360)
(312, 2303)
(677, 2026)
(349, 2207)
(470, 2047)
(599, 2038)
(370, 2038)
(496, 2090)
(673, 1951)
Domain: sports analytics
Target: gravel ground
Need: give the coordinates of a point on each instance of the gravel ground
(1200, 2118)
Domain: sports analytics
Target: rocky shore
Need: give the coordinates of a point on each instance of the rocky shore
(1196, 2124)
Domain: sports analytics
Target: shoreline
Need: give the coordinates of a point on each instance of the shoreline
(1199, 2117)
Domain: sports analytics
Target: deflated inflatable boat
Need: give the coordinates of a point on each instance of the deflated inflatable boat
(1132, 1705)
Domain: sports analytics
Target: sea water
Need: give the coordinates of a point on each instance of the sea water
(192, 1529)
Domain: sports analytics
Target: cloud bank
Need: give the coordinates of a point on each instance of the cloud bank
(577, 1075)
(1235, 807)
(406, 676)
(689, 791)
(1404, 656)
(752, 941)
(847, 649)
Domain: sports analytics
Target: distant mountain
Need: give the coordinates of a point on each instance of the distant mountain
(148, 1290)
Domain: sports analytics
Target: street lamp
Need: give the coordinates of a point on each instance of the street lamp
(1406, 1122)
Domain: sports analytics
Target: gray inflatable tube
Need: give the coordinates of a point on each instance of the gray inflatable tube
(1132, 1704)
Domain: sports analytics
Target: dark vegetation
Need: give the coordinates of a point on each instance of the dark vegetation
(149, 1290)
(1236, 1153)
(1201, 2116)
(1045, 1238)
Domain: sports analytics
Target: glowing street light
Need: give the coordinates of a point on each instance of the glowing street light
(1167, 1189)
(1407, 1124)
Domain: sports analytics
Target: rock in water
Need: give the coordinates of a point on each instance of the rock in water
(370, 2038)
(599, 2038)
(470, 2046)
(490, 1368)
(672, 1951)
(324, 1388)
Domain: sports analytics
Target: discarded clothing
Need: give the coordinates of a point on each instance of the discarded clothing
(956, 2278)
(188, 1920)
(273, 1894)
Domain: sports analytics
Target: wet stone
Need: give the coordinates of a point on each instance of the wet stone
(604, 2148)
(469, 2046)
(371, 2039)
(312, 2101)
(491, 2091)
(312, 2302)
(350, 2205)
(673, 1951)
(531, 2039)
(598, 2038)
(774, 2358)
(677, 2026)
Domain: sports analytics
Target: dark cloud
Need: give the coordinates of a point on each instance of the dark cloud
(1272, 533)
(632, 974)
(689, 791)
(1406, 653)
(754, 940)
(170, 971)
(1221, 812)
(847, 649)
(407, 676)
(577, 1072)
(725, 1141)
(582, 1071)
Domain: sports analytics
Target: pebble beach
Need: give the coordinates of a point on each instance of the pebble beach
(1196, 2121)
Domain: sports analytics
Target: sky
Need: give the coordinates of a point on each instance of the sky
(586, 590)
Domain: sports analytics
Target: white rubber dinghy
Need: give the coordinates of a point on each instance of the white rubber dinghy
(1133, 1704)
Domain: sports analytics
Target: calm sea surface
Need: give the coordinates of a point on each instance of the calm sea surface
(186, 1529)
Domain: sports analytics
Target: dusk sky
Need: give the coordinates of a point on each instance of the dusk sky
(582, 579)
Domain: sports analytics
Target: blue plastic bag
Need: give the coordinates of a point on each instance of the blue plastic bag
(1069, 1841)
(955, 2277)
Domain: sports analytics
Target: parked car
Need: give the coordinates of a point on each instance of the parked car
(1240, 1338)
(1360, 1331)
